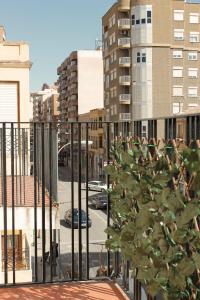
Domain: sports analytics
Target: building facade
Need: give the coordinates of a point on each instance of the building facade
(15, 65)
(80, 86)
(164, 51)
(45, 105)
(117, 64)
(96, 137)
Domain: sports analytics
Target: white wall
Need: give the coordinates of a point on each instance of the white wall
(24, 218)
(22, 76)
(90, 80)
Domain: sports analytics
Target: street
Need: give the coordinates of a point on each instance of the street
(97, 236)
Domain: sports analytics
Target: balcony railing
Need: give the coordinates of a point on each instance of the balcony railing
(125, 80)
(124, 23)
(34, 196)
(125, 99)
(124, 42)
(125, 61)
(125, 116)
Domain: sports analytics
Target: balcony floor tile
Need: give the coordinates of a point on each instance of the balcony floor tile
(68, 291)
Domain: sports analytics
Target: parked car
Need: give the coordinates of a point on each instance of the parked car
(96, 185)
(99, 201)
(68, 218)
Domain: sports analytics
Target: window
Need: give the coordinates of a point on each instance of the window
(114, 74)
(133, 19)
(143, 21)
(177, 71)
(177, 54)
(192, 91)
(177, 107)
(138, 21)
(178, 15)
(114, 55)
(138, 57)
(192, 55)
(111, 76)
(149, 16)
(194, 37)
(144, 57)
(193, 72)
(178, 34)
(177, 90)
(194, 18)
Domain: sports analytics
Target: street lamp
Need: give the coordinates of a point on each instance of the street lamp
(82, 143)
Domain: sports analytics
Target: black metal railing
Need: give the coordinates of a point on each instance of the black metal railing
(36, 192)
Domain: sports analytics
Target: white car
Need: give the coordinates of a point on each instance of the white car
(98, 186)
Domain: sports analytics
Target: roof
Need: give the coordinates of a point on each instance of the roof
(23, 192)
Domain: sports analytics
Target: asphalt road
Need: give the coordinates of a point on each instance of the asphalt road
(97, 236)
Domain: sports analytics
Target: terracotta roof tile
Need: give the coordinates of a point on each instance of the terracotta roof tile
(23, 191)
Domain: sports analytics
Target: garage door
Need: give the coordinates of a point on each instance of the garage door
(8, 102)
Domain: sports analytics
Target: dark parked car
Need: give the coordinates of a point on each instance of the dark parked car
(68, 218)
(99, 201)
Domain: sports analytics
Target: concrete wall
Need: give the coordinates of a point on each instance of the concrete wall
(90, 80)
(14, 67)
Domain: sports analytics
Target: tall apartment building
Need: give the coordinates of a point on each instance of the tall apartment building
(163, 45)
(117, 63)
(14, 80)
(80, 86)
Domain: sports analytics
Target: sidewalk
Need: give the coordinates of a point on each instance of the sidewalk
(69, 291)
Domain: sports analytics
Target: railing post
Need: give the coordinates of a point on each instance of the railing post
(35, 198)
(79, 204)
(72, 196)
(43, 208)
(108, 185)
(4, 202)
(13, 200)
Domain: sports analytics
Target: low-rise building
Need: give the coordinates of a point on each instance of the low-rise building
(15, 65)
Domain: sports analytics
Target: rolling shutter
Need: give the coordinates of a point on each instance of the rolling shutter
(8, 102)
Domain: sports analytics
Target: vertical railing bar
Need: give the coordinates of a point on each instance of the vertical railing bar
(195, 127)
(24, 157)
(50, 200)
(79, 203)
(20, 166)
(72, 197)
(13, 201)
(35, 199)
(87, 211)
(16, 165)
(108, 202)
(43, 208)
(4, 178)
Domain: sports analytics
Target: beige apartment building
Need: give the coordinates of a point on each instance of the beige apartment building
(45, 104)
(95, 135)
(151, 58)
(80, 86)
(15, 65)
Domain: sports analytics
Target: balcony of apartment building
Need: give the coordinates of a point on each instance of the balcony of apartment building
(73, 89)
(124, 23)
(124, 42)
(124, 5)
(125, 116)
(125, 98)
(125, 61)
(125, 80)
(38, 248)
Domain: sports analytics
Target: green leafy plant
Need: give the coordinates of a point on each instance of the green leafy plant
(155, 203)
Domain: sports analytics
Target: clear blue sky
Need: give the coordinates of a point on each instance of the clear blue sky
(53, 29)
